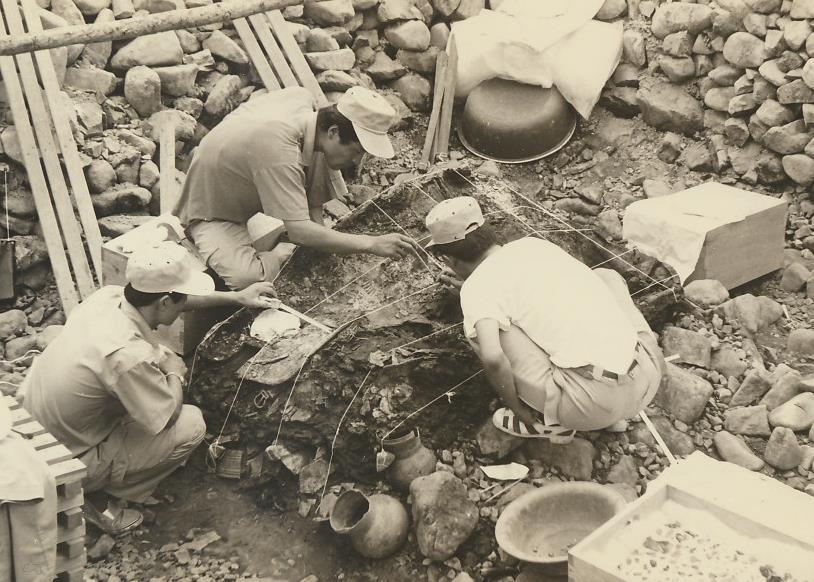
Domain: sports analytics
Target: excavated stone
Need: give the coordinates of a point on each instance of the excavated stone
(787, 139)
(691, 347)
(677, 69)
(574, 459)
(12, 323)
(797, 414)
(414, 90)
(786, 384)
(774, 43)
(801, 341)
(774, 114)
(678, 16)
(142, 89)
(755, 24)
(718, 98)
(794, 276)
(744, 50)
(772, 73)
(734, 449)
(100, 176)
(611, 10)
(90, 79)
(445, 7)
(802, 9)
(726, 23)
(748, 420)
(439, 34)
(706, 292)
(742, 104)
(384, 68)
(728, 362)
(336, 81)
(152, 50)
(183, 123)
(319, 40)
(419, 61)
(390, 10)
(683, 394)
(329, 12)
(667, 107)
(178, 80)
(633, 47)
(120, 199)
(98, 53)
(223, 47)
(443, 515)
(224, 96)
(800, 168)
(795, 33)
(752, 313)
(411, 35)
(339, 60)
(783, 452)
(725, 75)
(795, 92)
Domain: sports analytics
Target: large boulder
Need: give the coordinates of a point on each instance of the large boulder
(411, 35)
(329, 12)
(339, 60)
(443, 514)
(691, 347)
(735, 450)
(152, 50)
(224, 96)
(121, 198)
(748, 420)
(178, 80)
(223, 47)
(783, 452)
(574, 459)
(706, 292)
(414, 90)
(90, 79)
(683, 394)
(12, 323)
(667, 107)
(750, 312)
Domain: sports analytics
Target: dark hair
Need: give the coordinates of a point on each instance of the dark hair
(328, 116)
(470, 248)
(138, 298)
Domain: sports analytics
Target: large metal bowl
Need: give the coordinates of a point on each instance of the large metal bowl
(541, 526)
(512, 122)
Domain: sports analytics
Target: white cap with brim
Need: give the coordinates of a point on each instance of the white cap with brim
(452, 219)
(165, 268)
(372, 117)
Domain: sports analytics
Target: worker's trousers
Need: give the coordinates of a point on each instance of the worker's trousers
(574, 398)
(227, 249)
(130, 463)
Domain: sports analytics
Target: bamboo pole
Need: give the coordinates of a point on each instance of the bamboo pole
(131, 28)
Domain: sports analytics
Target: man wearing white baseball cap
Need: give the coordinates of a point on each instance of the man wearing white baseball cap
(110, 393)
(271, 156)
(563, 345)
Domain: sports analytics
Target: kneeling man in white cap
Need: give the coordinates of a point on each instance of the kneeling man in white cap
(110, 393)
(563, 345)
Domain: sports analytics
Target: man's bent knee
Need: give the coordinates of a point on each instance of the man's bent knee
(188, 431)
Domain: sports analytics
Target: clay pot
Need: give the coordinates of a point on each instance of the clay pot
(412, 459)
(377, 525)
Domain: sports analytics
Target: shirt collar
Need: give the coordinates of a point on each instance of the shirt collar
(141, 324)
(309, 139)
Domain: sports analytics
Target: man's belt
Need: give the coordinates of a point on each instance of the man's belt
(602, 372)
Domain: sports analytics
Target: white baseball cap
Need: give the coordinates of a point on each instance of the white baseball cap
(372, 117)
(165, 268)
(453, 219)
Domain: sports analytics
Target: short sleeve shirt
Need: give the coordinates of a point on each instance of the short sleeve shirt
(260, 158)
(102, 367)
(563, 306)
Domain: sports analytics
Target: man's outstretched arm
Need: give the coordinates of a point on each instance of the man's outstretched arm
(310, 234)
(498, 368)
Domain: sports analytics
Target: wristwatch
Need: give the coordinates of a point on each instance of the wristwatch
(180, 378)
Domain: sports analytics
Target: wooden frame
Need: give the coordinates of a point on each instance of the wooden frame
(68, 474)
(277, 58)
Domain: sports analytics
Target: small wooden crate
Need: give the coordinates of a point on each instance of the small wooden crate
(68, 474)
(185, 333)
(748, 503)
(736, 252)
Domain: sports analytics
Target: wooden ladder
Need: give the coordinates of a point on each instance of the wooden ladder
(68, 474)
(64, 214)
(278, 60)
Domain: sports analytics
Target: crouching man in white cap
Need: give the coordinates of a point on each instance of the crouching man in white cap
(271, 156)
(563, 345)
(107, 390)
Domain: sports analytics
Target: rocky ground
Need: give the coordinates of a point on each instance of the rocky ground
(707, 90)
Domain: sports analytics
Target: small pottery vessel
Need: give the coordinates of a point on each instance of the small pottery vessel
(413, 459)
(377, 525)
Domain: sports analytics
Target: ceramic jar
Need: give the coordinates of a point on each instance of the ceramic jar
(377, 525)
(412, 460)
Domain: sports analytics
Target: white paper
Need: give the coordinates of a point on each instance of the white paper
(510, 472)
(273, 323)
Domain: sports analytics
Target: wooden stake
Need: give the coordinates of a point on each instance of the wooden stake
(166, 183)
(445, 123)
(438, 95)
(133, 27)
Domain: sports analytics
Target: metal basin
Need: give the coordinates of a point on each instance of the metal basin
(512, 122)
(541, 526)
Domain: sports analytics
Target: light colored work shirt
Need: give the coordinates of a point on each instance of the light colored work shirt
(260, 158)
(102, 367)
(561, 304)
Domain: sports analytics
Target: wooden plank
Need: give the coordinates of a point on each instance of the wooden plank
(70, 154)
(69, 489)
(75, 575)
(29, 429)
(261, 27)
(43, 128)
(56, 454)
(256, 55)
(448, 103)
(66, 288)
(19, 416)
(70, 501)
(167, 185)
(43, 441)
(64, 533)
(11, 402)
(67, 471)
(72, 548)
(292, 50)
(65, 564)
(438, 95)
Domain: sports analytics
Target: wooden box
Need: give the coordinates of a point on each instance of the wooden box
(185, 333)
(734, 251)
(747, 514)
(68, 474)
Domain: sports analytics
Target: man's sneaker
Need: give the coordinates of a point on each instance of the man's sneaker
(114, 520)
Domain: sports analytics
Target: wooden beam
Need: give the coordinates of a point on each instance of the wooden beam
(448, 103)
(133, 27)
(167, 186)
(261, 26)
(438, 95)
(256, 55)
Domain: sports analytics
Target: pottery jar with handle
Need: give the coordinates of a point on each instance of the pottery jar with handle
(377, 525)
(412, 460)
